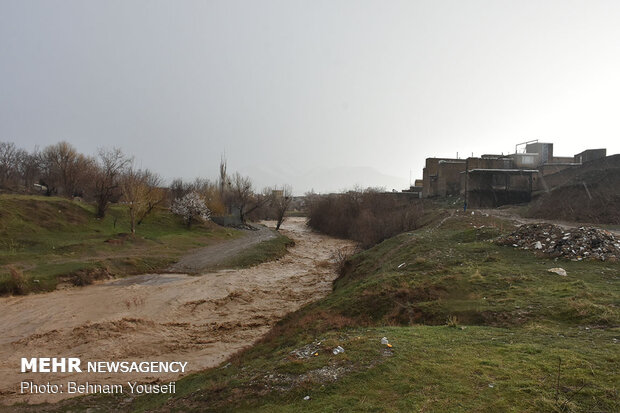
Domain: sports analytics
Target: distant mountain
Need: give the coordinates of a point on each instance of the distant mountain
(324, 180)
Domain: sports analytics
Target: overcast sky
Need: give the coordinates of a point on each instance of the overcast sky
(288, 88)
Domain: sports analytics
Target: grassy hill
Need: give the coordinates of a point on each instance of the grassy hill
(45, 241)
(474, 327)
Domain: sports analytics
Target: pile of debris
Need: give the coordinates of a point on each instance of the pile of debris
(576, 244)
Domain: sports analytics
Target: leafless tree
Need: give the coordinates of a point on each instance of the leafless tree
(10, 157)
(111, 165)
(178, 189)
(281, 200)
(141, 190)
(65, 169)
(243, 197)
(29, 168)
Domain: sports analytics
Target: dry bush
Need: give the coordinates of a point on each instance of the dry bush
(16, 283)
(367, 217)
(342, 258)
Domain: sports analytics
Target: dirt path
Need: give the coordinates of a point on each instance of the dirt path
(206, 257)
(513, 216)
(166, 317)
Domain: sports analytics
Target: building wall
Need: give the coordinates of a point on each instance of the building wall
(590, 155)
(431, 177)
(544, 150)
(563, 159)
(526, 160)
(490, 163)
(449, 177)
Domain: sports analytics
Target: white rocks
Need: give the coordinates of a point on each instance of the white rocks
(338, 350)
(558, 271)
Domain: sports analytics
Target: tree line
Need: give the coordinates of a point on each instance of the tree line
(111, 176)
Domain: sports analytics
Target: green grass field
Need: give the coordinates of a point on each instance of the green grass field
(54, 240)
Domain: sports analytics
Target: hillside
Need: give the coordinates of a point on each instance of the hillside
(47, 241)
(472, 326)
(590, 193)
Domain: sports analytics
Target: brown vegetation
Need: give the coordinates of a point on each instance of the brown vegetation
(591, 196)
(367, 217)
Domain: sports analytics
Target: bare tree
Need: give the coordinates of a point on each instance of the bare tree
(178, 189)
(29, 168)
(111, 164)
(243, 197)
(281, 200)
(142, 192)
(65, 169)
(10, 157)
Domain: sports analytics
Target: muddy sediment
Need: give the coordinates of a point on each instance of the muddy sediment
(200, 320)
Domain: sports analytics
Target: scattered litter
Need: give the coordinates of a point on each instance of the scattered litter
(389, 345)
(558, 271)
(402, 265)
(491, 385)
(578, 244)
(338, 350)
(309, 350)
(307, 398)
(384, 340)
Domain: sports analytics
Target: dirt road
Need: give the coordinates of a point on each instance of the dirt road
(165, 317)
(212, 255)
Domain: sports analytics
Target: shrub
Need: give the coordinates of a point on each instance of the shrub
(367, 217)
(15, 284)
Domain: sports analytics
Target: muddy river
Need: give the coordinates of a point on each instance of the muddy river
(200, 320)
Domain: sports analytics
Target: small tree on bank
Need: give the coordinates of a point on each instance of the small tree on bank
(191, 206)
(281, 202)
(142, 193)
(112, 164)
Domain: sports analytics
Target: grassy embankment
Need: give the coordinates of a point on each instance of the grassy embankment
(269, 250)
(474, 327)
(54, 240)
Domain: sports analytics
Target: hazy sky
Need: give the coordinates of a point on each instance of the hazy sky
(296, 86)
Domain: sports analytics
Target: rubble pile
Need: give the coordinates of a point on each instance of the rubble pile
(576, 244)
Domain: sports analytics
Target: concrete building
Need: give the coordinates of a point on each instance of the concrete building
(494, 180)
(441, 177)
(416, 188)
(590, 155)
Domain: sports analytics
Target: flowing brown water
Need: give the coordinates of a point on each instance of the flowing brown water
(200, 320)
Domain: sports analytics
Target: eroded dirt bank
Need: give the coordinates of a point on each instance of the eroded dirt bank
(168, 317)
